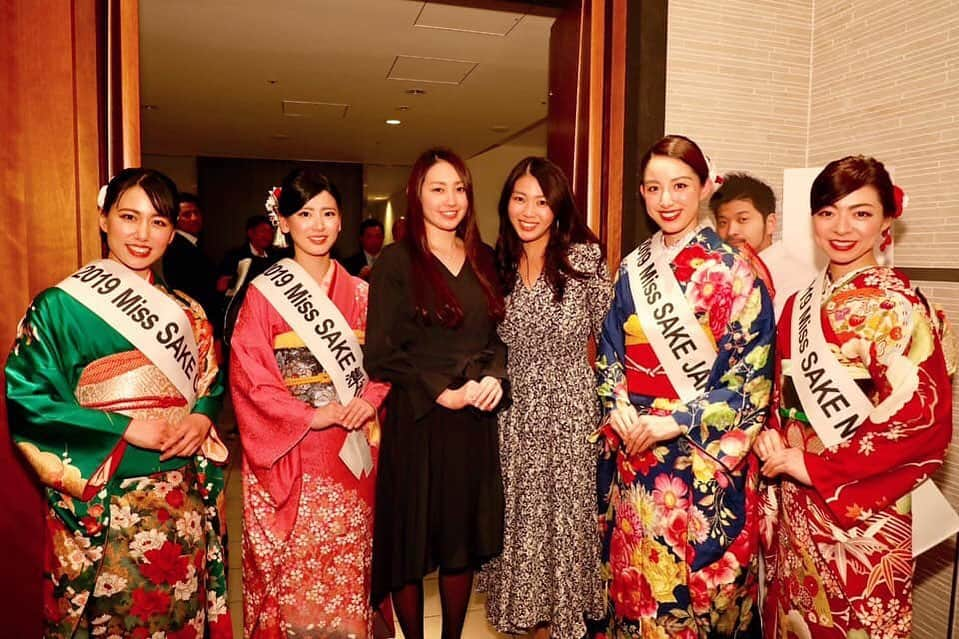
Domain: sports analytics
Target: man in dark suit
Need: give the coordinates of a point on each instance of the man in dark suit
(243, 264)
(371, 243)
(185, 266)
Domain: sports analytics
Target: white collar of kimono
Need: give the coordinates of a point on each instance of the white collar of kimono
(670, 252)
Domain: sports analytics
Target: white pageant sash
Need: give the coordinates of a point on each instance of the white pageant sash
(155, 324)
(836, 407)
(831, 399)
(683, 348)
(298, 298)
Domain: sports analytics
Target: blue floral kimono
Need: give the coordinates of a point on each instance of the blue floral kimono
(680, 534)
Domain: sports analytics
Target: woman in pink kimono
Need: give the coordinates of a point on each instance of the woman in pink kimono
(307, 514)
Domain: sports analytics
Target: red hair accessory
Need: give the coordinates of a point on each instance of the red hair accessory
(273, 212)
(902, 201)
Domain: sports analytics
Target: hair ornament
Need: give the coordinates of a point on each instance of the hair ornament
(714, 175)
(902, 201)
(272, 206)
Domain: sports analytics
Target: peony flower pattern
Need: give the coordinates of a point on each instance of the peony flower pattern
(679, 543)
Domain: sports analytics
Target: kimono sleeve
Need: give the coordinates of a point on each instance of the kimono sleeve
(905, 438)
(271, 421)
(65, 443)
(611, 350)
(375, 391)
(725, 420)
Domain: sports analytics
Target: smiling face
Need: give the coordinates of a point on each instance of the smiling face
(739, 222)
(443, 196)
(848, 229)
(672, 193)
(137, 236)
(529, 211)
(315, 227)
(190, 219)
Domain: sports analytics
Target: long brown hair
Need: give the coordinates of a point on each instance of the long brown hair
(433, 297)
(568, 227)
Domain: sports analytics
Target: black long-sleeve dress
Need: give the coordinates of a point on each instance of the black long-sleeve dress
(439, 492)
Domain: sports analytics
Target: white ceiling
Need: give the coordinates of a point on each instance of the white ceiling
(218, 73)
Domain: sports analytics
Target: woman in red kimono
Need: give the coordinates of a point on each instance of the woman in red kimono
(307, 517)
(839, 541)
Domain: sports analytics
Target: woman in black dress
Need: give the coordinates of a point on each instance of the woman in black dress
(431, 332)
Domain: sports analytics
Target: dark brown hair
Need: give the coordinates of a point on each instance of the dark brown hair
(742, 186)
(568, 227)
(160, 190)
(851, 173)
(432, 295)
(680, 148)
(302, 185)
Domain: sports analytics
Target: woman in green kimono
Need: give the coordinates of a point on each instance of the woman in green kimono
(112, 388)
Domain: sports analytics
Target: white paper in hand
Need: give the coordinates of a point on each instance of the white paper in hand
(933, 517)
(355, 453)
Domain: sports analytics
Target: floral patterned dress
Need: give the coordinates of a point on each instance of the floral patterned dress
(839, 552)
(142, 556)
(680, 547)
(307, 520)
(549, 569)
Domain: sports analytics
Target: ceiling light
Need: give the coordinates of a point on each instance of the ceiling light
(415, 91)
(394, 122)
(150, 107)
(402, 107)
(499, 128)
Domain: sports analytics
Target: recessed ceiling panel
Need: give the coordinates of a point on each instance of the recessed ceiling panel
(318, 110)
(481, 21)
(433, 70)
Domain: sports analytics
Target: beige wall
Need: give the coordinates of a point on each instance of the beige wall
(773, 84)
(737, 82)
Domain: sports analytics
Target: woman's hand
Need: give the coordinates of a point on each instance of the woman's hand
(326, 416)
(649, 430)
(623, 419)
(185, 438)
(455, 399)
(768, 442)
(357, 413)
(147, 433)
(787, 461)
(485, 394)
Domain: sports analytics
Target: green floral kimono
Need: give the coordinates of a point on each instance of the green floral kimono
(135, 545)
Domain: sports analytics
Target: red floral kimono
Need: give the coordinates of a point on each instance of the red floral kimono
(307, 520)
(839, 553)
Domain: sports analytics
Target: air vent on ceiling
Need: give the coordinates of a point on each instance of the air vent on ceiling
(467, 20)
(307, 109)
(431, 70)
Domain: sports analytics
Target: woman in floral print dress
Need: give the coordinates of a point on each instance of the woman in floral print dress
(837, 527)
(134, 500)
(547, 579)
(307, 518)
(677, 481)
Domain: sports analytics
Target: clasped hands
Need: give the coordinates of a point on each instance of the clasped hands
(640, 432)
(779, 459)
(484, 395)
(172, 440)
(352, 416)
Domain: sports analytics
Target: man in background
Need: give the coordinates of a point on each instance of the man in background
(185, 266)
(372, 235)
(745, 212)
(241, 265)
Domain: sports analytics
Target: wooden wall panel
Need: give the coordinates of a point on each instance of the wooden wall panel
(50, 154)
